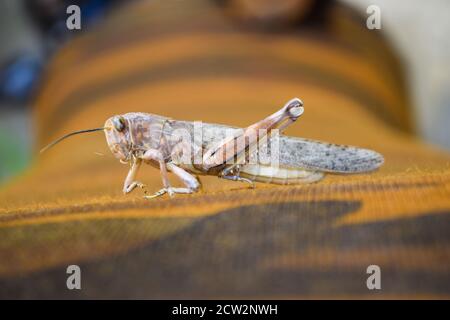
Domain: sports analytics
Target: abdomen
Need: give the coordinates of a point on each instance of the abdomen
(279, 175)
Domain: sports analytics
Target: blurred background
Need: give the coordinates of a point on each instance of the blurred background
(31, 31)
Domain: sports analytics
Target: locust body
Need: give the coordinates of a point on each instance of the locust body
(189, 149)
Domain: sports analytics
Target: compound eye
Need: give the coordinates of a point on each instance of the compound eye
(119, 123)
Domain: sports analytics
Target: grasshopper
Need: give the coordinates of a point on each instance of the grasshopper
(226, 152)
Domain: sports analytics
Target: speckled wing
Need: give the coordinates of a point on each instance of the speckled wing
(306, 154)
(327, 157)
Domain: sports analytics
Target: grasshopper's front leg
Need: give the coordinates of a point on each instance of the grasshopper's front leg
(130, 183)
(229, 148)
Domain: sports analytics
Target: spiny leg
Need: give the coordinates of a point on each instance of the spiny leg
(232, 173)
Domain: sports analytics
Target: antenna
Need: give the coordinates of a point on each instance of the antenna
(68, 135)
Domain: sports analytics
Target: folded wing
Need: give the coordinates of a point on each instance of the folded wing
(327, 157)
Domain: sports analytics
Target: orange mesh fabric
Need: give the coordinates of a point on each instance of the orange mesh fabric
(192, 61)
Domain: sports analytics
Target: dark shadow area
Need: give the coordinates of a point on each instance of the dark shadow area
(236, 253)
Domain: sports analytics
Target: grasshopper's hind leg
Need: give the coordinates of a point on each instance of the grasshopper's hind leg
(232, 173)
(229, 148)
